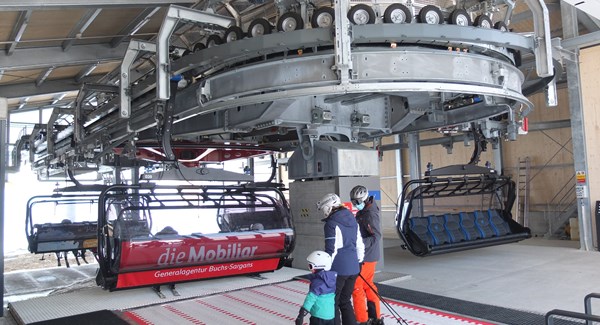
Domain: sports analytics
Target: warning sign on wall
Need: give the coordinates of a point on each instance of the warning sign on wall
(580, 177)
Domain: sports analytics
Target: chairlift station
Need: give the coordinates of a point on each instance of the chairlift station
(190, 140)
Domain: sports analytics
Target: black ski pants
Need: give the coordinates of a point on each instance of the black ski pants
(344, 313)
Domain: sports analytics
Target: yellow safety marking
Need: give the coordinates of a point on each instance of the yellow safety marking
(304, 212)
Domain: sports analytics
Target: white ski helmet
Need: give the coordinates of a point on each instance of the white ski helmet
(319, 260)
(328, 202)
(359, 194)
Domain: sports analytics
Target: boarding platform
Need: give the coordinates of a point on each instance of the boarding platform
(471, 284)
(271, 298)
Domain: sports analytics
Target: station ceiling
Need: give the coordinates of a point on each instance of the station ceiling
(50, 48)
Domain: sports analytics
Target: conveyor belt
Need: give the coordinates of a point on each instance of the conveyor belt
(493, 314)
(271, 304)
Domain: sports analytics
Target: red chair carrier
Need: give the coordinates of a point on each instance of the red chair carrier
(151, 235)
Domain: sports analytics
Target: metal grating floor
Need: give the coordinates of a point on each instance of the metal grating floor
(91, 299)
(271, 304)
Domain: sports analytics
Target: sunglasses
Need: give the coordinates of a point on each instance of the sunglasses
(354, 202)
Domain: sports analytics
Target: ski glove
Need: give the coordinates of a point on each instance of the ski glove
(300, 319)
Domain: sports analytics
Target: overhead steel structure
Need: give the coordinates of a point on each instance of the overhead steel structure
(340, 80)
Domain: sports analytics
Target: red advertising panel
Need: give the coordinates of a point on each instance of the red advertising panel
(180, 274)
(148, 262)
(190, 251)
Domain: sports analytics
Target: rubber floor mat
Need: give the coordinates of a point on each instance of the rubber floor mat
(101, 317)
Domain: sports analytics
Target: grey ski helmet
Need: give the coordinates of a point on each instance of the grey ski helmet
(359, 194)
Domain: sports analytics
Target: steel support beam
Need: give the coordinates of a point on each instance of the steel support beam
(42, 77)
(57, 98)
(578, 42)
(23, 102)
(526, 15)
(498, 154)
(18, 31)
(234, 13)
(591, 8)
(173, 16)
(55, 86)
(3, 168)
(541, 26)
(343, 54)
(592, 24)
(549, 125)
(414, 151)
(584, 208)
(399, 171)
(40, 58)
(135, 47)
(83, 23)
(85, 72)
(414, 161)
(535, 126)
(134, 25)
(12, 5)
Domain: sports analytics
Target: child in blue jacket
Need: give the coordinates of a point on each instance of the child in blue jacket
(320, 300)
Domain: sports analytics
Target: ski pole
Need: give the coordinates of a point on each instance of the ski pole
(394, 313)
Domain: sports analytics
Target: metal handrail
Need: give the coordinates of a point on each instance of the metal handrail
(587, 316)
(571, 314)
(587, 301)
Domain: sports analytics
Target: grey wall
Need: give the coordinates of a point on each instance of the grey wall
(307, 219)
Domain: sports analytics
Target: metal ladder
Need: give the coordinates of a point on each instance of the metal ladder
(522, 195)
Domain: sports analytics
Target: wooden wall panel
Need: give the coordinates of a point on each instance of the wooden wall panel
(590, 92)
(550, 152)
(387, 172)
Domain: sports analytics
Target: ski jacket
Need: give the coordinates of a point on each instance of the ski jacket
(320, 300)
(343, 242)
(369, 223)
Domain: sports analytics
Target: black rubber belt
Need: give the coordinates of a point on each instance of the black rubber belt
(467, 308)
